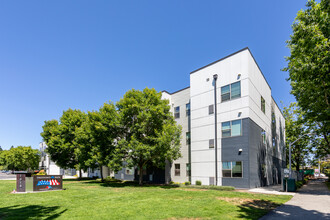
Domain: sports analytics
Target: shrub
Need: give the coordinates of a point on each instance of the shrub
(198, 182)
(299, 184)
(187, 183)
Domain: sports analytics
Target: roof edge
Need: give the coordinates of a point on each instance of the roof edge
(176, 91)
(246, 48)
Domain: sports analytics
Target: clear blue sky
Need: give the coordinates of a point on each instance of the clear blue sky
(56, 55)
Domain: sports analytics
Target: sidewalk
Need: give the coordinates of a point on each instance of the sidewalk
(272, 189)
(310, 202)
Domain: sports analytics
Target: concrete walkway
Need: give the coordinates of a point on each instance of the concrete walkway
(310, 202)
(272, 189)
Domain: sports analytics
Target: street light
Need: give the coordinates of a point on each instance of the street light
(290, 151)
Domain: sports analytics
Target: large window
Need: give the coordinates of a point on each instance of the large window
(187, 138)
(263, 106)
(177, 112)
(188, 109)
(177, 169)
(231, 128)
(232, 169)
(231, 91)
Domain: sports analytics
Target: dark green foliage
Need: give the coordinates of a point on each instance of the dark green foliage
(309, 68)
(20, 158)
(149, 133)
(187, 183)
(198, 182)
(295, 127)
(60, 138)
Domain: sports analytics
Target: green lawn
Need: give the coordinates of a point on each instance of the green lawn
(91, 199)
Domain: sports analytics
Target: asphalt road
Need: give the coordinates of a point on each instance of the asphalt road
(4, 176)
(310, 202)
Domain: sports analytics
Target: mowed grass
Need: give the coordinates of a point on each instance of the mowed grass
(91, 199)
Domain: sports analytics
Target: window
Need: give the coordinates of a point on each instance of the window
(226, 169)
(188, 169)
(211, 109)
(188, 109)
(263, 107)
(187, 138)
(263, 136)
(211, 143)
(177, 112)
(231, 128)
(177, 169)
(232, 169)
(231, 91)
(225, 93)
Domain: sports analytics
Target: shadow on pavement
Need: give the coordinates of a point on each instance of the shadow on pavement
(30, 211)
(255, 209)
(295, 212)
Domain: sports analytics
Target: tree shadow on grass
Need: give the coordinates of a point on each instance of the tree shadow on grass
(30, 211)
(254, 209)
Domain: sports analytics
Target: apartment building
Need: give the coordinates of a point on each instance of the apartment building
(234, 133)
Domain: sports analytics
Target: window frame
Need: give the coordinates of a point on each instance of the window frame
(177, 171)
(263, 104)
(188, 109)
(230, 92)
(230, 129)
(188, 138)
(231, 169)
(177, 112)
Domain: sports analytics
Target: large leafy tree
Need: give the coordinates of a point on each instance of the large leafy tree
(20, 158)
(309, 67)
(60, 138)
(296, 128)
(150, 134)
(97, 138)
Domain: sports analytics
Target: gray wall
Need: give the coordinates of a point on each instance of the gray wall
(260, 166)
(230, 147)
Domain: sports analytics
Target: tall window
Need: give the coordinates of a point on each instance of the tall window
(188, 109)
(231, 128)
(177, 169)
(263, 106)
(232, 169)
(263, 136)
(231, 91)
(188, 169)
(187, 138)
(177, 112)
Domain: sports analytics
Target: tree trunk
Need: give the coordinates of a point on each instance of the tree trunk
(141, 175)
(101, 173)
(80, 174)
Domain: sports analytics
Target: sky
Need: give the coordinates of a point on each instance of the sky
(56, 55)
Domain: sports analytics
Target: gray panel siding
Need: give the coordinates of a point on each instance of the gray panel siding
(230, 147)
(265, 168)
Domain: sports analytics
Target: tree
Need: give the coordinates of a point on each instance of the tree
(309, 66)
(150, 134)
(97, 138)
(294, 129)
(1, 149)
(60, 138)
(20, 158)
